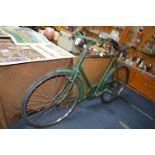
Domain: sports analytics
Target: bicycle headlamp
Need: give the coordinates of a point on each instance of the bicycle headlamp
(79, 42)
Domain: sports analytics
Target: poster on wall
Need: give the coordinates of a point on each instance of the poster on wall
(24, 36)
(26, 45)
(14, 54)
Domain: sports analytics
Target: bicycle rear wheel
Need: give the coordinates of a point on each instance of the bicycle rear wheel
(47, 100)
(116, 82)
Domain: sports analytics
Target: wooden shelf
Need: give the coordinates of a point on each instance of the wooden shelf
(147, 59)
(138, 69)
(93, 31)
(141, 81)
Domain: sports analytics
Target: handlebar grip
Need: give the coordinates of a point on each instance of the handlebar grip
(87, 39)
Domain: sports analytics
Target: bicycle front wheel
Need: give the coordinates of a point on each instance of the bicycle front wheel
(116, 83)
(47, 101)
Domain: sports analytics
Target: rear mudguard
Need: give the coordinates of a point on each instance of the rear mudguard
(70, 72)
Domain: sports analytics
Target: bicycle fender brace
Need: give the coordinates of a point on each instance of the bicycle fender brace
(70, 72)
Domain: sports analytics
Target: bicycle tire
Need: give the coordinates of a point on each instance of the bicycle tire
(116, 83)
(33, 113)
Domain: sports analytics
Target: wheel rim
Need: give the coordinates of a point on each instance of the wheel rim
(115, 84)
(46, 107)
(119, 79)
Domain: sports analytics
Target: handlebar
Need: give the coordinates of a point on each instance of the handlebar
(125, 48)
(87, 39)
(118, 47)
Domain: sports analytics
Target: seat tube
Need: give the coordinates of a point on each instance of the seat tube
(80, 60)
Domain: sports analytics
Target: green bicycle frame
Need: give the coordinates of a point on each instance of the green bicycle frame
(93, 90)
(77, 71)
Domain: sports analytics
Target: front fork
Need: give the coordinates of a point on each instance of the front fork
(74, 75)
(63, 93)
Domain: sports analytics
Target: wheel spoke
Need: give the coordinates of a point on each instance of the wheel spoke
(34, 107)
(37, 100)
(39, 94)
(41, 114)
(51, 100)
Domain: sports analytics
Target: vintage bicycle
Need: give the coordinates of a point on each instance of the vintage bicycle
(52, 97)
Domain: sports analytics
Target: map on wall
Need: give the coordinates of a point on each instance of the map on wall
(27, 46)
(52, 50)
(12, 54)
(24, 36)
(15, 54)
(3, 34)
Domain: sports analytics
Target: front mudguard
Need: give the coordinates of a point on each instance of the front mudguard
(70, 72)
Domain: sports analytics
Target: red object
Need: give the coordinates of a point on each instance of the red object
(139, 33)
(49, 33)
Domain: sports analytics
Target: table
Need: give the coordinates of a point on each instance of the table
(14, 79)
